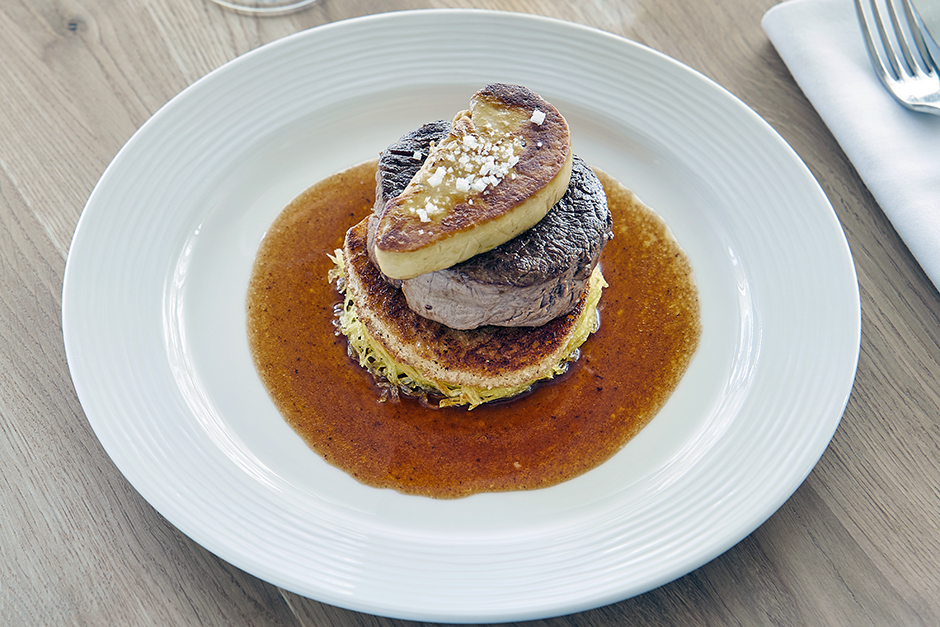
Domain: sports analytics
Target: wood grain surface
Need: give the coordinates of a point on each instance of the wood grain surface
(857, 544)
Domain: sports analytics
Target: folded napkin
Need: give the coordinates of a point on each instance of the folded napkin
(895, 151)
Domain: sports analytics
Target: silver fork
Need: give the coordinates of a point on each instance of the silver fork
(909, 74)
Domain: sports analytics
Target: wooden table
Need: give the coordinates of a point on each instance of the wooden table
(857, 544)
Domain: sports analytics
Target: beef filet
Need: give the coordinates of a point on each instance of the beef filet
(527, 281)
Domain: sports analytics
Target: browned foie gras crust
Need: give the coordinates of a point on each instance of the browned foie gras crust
(487, 357)
(546, 153)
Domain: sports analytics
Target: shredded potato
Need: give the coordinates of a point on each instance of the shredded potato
(401, 377)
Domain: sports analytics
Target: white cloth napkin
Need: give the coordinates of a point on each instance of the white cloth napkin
(895, 151)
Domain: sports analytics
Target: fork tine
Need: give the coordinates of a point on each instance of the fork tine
(901, 38)
(926, 58)
(868, 33)
(886, 43)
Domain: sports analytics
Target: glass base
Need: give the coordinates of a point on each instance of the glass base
(264, 7)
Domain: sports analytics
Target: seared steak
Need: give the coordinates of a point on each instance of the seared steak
(531, 279)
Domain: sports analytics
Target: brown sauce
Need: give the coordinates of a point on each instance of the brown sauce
(650, 327)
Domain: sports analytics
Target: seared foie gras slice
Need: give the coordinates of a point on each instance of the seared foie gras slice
(505, 163)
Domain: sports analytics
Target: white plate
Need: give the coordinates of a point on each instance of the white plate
(153, 316)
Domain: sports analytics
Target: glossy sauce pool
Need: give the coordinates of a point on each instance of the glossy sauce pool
(650, 328)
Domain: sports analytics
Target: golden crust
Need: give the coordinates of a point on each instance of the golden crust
(486, 357)
(462, 223)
